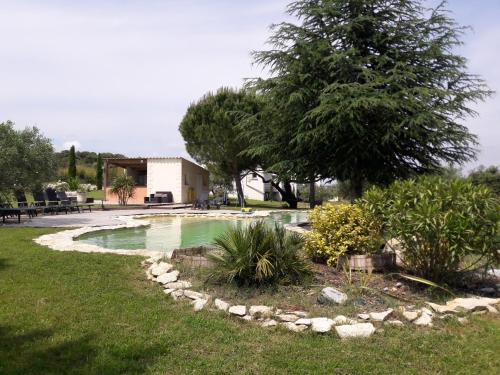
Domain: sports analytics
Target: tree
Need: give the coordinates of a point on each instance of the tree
(98, 172)
(26, 158)
(72, 163)
(489, 177)
(212, 136)
(124, 188)
(373, 90)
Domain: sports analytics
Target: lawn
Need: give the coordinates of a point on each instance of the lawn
(65, 312)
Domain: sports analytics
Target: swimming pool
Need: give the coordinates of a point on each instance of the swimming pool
(167, 233)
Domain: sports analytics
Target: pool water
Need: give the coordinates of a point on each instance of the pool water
(168, 233)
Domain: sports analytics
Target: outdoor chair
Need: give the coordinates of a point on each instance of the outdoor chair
(73, 204)
(22, 203)
(39, 203)
(6, 210)
(53, 201)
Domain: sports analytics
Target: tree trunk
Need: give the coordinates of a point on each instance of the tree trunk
(287, 195)
(356, 188)
(239, 189)
(312, 194)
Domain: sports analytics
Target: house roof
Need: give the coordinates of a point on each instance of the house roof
(142, 161)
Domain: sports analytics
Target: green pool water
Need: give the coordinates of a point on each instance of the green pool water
(169, 233)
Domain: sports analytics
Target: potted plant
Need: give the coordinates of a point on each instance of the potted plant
(345, 235)
(82, 192)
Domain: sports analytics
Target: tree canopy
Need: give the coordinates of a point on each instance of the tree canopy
(26, 158)
(365, 91)
(211, 132)
(72, 163)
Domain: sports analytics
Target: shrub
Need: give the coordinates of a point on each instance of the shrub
(257, 255)
(123, 187)
(339, 229)
(73, 183)
(445, 226)
(58, 186)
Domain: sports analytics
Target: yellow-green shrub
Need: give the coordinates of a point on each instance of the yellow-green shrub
(341, 229)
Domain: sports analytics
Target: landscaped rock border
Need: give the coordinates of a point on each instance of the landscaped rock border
(299, 321)
(296, 321)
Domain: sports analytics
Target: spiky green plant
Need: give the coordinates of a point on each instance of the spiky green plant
(257, 254)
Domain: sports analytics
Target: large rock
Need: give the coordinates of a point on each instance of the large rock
(238, 310)
(199, 304)
(380, 316)
(221, 305)
(321, 325)
(355, 330)
(410, 315)
(287, 317)
(178, 285)
(341, 320)
(160, 268)
(424, 320)
(331, 295)
(464, 304)
(269, 323)
(191, 294)
(303, 322)
(261, 311)
(168, 277)
(294, 327)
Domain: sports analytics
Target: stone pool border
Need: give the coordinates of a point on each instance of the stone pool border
(66, 240)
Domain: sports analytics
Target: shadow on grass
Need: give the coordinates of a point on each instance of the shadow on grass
(3, 264)
(41, 352)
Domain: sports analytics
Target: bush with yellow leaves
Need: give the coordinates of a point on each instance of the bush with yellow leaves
(341, 229)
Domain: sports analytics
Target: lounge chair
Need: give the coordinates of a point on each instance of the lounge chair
(73, 204)
(39, 203)
(22, 202)
(6, 210)
(54, 202)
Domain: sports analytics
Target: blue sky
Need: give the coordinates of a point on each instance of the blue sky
(118, 75)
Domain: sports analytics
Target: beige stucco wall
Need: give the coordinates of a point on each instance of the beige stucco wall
(165, 175)
(196, 178)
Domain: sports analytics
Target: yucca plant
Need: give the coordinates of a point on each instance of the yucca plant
(257, 254)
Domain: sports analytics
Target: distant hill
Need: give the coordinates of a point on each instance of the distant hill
(85, 164)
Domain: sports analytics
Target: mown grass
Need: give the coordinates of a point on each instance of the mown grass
(74, 313)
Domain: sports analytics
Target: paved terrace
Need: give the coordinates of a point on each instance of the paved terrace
(101, 218)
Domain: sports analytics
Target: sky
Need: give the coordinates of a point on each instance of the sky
(118, 75)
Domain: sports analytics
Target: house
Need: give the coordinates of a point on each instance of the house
(255, 188)
(185, 180)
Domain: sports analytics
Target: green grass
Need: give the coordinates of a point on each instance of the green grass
(263, 205)
(75, 313)
(96, 194)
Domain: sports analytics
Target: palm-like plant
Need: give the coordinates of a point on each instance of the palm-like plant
(257, 255)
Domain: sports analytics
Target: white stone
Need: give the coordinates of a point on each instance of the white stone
(178, 285)
(395, 322)
(424, 320)
(239, 310)
(199, 304)
(160, 268)
(380, 316)
(425, 310)
(463, 320)
(464, 304)
(168, 291)
(355, 330)
(168, 277)
(248, 318)
(410, 315)
(191, 294)
(221, 305)
(294, 327)
(321, 325)
(364, 316)
(287, 317)
(331, 295)
(261, 311)
(269, 323)
(303, 322)
(176, 294)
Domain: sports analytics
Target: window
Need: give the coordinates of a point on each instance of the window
(254, 176)
(185, 179)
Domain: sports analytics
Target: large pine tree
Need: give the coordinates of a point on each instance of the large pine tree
(367, 91)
